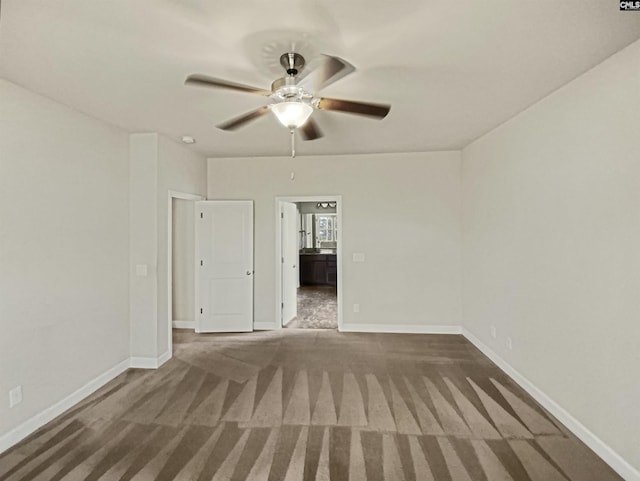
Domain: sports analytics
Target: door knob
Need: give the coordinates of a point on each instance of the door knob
(248, 273)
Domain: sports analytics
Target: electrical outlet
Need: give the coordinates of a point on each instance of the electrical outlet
(15, 396)
(356, 308)
(358, 257)
(494, 332)
(509, 343)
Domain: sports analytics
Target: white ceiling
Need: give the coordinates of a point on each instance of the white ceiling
(451, 69)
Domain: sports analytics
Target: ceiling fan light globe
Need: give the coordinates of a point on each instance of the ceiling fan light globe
(292, 114)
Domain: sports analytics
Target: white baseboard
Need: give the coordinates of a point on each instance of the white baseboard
(597, 445)
(265, 326)
(32, 424)
(149, 362)
(183, 324)
(401, 328)
(144, 362)
(164, 357)
(382, 328)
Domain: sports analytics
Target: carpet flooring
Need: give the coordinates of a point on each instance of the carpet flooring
(298, 405)
(317, 308)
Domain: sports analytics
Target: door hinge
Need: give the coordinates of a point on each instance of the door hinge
(201, 215)
(282, 305)
(282, 215)
(201, 310)
(282, 260)
(201, 263)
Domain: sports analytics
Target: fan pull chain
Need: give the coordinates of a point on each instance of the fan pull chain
(293, 144)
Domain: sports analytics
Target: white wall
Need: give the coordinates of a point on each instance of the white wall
(63, 251)
(181, 170)
(158, 166)
(183, 260)
(551, 247)
(401, 210)
(143, 228)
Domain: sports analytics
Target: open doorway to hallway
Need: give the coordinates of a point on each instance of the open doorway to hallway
(310, 236)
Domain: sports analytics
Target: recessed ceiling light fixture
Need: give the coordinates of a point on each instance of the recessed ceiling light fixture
(187, 139)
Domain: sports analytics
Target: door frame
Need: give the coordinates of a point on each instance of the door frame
(292, 208)
(174, 194)
(278, 252)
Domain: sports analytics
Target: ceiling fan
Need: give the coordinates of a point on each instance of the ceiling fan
(292, 97)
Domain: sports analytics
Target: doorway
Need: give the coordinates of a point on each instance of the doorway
(180, 261)
(309, 258)
(182, 264)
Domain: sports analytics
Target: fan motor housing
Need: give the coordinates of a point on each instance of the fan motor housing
(284, 84)
(285, 88)
(292, 62)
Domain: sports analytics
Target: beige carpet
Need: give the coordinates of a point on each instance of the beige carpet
(308, 405)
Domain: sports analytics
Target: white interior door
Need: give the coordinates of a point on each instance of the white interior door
(224, 262)
(290, 260)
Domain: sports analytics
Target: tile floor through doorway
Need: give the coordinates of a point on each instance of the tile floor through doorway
(317, 308)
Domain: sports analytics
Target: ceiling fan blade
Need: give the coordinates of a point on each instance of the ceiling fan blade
(238, 122)
(361, 108)
(204, 81)
(310, 130)
(329, 70)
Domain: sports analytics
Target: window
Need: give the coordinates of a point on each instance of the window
(326, 228)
